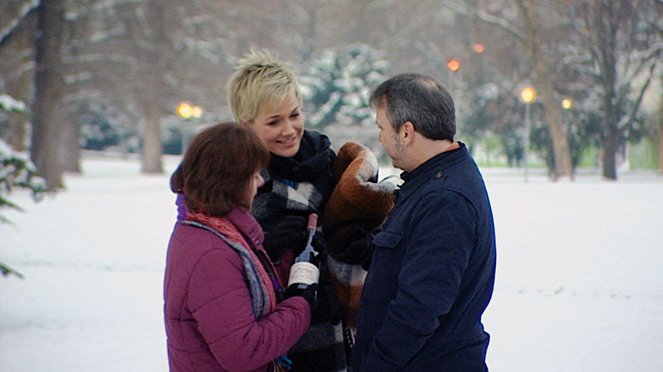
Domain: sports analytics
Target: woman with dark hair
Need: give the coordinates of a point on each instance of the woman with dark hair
(222, 306)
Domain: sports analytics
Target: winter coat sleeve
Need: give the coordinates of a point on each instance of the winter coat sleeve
(438, 241)
(220, 302)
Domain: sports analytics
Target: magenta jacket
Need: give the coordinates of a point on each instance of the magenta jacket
(209, 319)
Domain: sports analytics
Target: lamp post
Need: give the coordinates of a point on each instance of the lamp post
(567, 105)
(527, 95)
(187, 111)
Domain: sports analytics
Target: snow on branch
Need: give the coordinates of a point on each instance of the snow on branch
(13, 24)
(9, 104)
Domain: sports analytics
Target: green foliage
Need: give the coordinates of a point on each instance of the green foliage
(494, 111)
(644, 154)
(96, 132)
(16, 171)
(103, 127)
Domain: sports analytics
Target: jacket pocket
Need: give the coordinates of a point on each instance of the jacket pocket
(387, 239)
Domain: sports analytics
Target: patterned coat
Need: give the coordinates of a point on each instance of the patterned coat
(302, 185)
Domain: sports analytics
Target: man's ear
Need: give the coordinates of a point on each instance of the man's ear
(407, 132)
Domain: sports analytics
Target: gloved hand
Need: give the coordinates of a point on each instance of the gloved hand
(355, 248)
(290, 233)
(309, 294)
(319, 243)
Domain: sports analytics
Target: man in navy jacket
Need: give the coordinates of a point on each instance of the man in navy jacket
(433, 267)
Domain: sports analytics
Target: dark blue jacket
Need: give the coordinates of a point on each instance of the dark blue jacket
(432, 273)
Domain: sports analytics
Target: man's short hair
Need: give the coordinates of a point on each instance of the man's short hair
(420, 100)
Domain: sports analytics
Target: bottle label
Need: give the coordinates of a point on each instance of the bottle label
(304, 273)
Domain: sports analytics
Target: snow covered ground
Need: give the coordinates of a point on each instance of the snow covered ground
(579, 284)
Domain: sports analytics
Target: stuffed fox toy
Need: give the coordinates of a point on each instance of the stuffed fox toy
(358, 205)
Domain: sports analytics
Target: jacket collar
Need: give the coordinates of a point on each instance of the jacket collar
(246, 224)
(434, 167)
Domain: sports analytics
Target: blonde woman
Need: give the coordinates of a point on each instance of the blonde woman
(265, 96)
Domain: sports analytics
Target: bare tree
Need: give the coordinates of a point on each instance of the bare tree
(624, 47)
(544, 83)
(136, 57)
(528, 33)
(132, 61)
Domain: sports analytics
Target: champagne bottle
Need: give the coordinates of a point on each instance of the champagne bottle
(305, 272)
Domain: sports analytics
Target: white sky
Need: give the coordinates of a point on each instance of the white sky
(579, 282)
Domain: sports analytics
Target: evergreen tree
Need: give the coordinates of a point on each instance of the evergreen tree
(337, 85)
(16, 171)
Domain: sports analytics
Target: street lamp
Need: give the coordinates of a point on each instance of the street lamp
(478, 48)
(184, 110)
(567, 104)
(187, 111)
(527, 95)
(453, 64)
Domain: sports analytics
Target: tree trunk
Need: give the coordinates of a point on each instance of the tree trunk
(18, 134)
(19, 88)
(47, 141)
(18, 57)
(609, 160)
(152, 98)
(563, 168)
(605, 35)
(71, 154)
(151, 160)
(660, 136)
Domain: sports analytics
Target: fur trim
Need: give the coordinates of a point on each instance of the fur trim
(358, 203)
(357, 198)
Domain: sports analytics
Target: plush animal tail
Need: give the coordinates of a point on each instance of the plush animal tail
(357, 203)
(348, 282)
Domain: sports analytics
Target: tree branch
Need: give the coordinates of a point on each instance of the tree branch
(486, 18)
(24, 11)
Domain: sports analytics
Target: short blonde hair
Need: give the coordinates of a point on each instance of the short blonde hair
(260, 79)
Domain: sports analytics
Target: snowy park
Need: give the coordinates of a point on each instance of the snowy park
(579, 281)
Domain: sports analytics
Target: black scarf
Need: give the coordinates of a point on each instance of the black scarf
(312, 163)
(300, 184)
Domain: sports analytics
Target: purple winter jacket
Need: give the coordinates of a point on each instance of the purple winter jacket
(209, 320)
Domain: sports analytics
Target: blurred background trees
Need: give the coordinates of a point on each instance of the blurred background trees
(109, 75)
